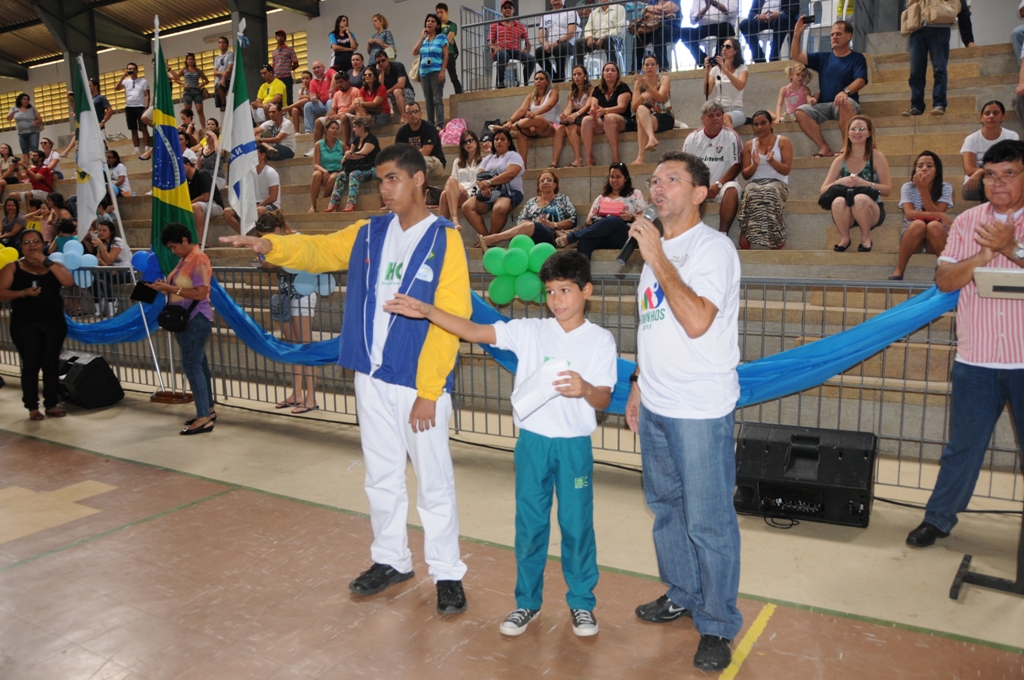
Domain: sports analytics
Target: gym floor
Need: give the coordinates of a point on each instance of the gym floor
(128, 552)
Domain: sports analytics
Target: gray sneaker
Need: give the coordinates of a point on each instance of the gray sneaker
(517, 621)
(583, 623)
(939, 111)
(913, 112)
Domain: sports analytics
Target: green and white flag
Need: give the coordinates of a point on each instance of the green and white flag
(90, 154)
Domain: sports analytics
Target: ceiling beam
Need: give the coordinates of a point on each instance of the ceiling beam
(9, 69)
(309, 8)
(109, 33)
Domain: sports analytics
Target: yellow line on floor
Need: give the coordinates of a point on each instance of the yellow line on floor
(747, 643)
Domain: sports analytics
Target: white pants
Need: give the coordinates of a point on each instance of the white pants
(387, 439)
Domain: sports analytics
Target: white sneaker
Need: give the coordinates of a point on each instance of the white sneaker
(583, 623)
(517, 622)
(309, 154)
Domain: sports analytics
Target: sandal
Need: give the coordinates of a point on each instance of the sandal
(212, 416)
(34, 414)
(574, 164)
(55, 412)
(552, 167)
(305, 409)
(284, 404)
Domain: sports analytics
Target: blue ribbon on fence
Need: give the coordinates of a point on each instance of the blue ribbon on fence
(788, 372)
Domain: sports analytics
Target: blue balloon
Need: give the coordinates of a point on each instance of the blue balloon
(74, 247)
(140, 260)
(72, 261)
(305, 283)
(83, 278)
(325, 284)
(57, 257)
(89, 260)
(154, 261)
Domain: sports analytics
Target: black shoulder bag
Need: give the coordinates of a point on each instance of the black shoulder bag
(174, 318)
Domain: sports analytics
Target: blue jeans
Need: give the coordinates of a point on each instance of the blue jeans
(979, 396)
(313, 110)
(689, 472)
(29, 142)
(192, 344)
(929, 41)
(607, 233)
(433, 95)
(525, 58)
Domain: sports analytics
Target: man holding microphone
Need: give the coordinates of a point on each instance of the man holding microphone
(681, 404)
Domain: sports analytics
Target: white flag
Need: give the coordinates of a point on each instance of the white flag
(90, 154)
(241, 142)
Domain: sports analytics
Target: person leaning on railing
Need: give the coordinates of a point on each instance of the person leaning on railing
(32, 285)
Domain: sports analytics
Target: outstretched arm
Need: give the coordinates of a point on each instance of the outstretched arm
(456, 325)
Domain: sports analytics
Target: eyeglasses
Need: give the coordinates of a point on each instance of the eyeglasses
(546, 179)
(671, 181)
(1000, 179)
(728, 47)
(468, 140)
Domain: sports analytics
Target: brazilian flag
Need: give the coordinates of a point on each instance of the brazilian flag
(170, 190)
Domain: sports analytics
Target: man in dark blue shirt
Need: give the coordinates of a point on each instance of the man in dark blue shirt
(841, 74)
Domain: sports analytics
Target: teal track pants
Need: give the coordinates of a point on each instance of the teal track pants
(564, 466)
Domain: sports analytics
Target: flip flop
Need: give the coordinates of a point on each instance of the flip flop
(286, 404)
(305, 409)
(573, 165)
(817, 155)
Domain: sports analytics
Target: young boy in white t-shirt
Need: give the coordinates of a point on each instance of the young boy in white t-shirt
(553, 453)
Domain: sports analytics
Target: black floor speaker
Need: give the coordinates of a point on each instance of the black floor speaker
(88, 381)
(805, 473)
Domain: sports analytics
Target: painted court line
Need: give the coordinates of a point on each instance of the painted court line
(747, 643)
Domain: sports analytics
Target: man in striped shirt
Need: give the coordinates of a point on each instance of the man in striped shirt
(508, 40)
(989, 367)
(285, 61)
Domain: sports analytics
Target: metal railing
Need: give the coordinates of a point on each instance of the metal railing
(901, 394)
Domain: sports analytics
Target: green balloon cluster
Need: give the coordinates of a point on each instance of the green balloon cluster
(515, 270)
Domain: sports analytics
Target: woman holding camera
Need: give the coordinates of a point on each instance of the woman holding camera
(864, 170)
(32, 286)
(188, 286)
(725, 76)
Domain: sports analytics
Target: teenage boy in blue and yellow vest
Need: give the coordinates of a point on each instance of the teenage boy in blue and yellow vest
(404, 367)
(553, 453)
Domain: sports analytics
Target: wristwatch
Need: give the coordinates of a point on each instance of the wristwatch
(719, 185)
(47, 263)
(847, 90)
(634, 377)
(1019, 251)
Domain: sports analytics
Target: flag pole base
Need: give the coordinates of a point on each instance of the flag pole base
(165, 397)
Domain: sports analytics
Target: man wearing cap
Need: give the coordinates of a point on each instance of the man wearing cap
(200, 184)
(285, 61)
(508, 40)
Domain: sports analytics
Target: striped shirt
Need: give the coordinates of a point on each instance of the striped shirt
(432, 54)
(909, 193)
(990, 331)
(284, 57)
(508, 36)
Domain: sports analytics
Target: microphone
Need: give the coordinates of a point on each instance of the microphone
(650, 213)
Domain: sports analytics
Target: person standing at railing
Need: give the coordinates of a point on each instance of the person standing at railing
(557, 36)
(777, 16)
(989, 367)
(710, 18)
(507, 40)
(404, 368)
(32, 285)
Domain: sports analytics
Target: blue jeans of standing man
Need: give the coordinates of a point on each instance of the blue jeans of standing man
(313, 110)
(433, 95)
(192, 344)
(930, 41)
(689, 472)
(979, 397)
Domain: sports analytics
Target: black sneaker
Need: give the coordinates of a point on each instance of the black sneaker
(583, 622)
(451, 599)
(661, 610)
(713, 653)
(377, 578)
(517, 621)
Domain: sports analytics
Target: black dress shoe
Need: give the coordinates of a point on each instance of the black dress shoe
(451, 598)
(925, 535)
(377, 578)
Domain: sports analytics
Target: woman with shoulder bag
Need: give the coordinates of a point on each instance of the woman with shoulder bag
(189, 291)
(855, 184)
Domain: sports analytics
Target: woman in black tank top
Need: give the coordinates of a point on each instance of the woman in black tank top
(32, 285)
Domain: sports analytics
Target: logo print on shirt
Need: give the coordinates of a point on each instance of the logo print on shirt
(651, 298)
(393, 272)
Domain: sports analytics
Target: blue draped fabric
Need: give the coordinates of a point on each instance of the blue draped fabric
(260, 341)
(771, 377)
(125, 327)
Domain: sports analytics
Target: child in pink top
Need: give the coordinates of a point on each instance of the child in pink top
(795, 95)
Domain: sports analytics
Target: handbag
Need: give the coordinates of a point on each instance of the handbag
(174, 318)
(941, 12)
(849, 193)
(640, 27)
(610, 206)
(497, 191)
(910, 20)
(414, 69)
(390, 51)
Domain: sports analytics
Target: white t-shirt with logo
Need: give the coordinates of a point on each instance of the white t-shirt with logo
(135, 92)
(680, 376)
(271, 130)
(557, 25)
(719, 154)
(394, 259)
(590, 351)
(978, 145)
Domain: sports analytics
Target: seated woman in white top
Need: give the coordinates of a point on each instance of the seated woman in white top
(725, 76)
(537, 116)
(460, 184)
(502, 192)
(767, 161)
(924, 201)
(977, 143)
(51, 158)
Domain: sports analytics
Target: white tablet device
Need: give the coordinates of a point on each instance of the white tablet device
(1000, 283)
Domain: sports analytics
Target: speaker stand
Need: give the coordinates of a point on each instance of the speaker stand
(965, 575)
